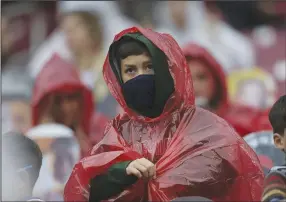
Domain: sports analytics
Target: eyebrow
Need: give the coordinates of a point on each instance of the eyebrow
(147, 62)
(129, 66)
(144, 63)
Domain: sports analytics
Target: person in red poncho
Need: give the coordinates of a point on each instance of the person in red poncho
(60, 97)
(210, 89)
(162, 147)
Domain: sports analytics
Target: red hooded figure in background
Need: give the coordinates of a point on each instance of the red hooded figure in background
(194, 152)
(210, 88)
(60, 97)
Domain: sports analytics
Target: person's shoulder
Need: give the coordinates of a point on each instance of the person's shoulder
(275, 184)
(277, 175)
(213, 121)
(117, 121)
(242, 110)
(278, 170)
(210, 117)
(247, 119)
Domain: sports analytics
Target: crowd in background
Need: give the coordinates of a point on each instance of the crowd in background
(52, 55)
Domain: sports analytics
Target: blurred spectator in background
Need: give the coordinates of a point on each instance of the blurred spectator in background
(61, 151)
(22, 161)
(60, 97)
(139, 11)
(269, 43)
(250, 14)
(84, 37)
(16, 95)
(6, 41)
(85, 30)
(211, 92)
(192, 21)
(26, 25)
(254, 87)
(9, 38)
(179, 18)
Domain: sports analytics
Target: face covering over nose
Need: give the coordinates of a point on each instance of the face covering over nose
(145, 94)
(139, 93)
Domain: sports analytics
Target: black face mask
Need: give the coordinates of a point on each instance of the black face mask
(139, 93)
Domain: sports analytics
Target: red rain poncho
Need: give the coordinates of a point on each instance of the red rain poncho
(244, 119)
(196, 153)
(58, 76)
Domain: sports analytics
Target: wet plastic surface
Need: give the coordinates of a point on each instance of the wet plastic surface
(196, 153)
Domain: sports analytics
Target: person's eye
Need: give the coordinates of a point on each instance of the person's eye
(150, 66)
(74, 96)
(202, 77)
(130, 70)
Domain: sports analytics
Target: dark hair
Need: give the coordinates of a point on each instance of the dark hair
(20, 151)
(277, 115)
(128, 47)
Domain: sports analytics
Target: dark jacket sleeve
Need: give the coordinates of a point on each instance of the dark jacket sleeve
(112, 183)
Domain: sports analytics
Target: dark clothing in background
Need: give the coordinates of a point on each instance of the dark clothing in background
(140, 11)
(246, 14)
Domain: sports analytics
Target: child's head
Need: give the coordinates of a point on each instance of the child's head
(22, 161)
(67, 108)
(208, 85)
(64, 108)
(277, 118)
(134, 59)
(203, 78)
(143, 71)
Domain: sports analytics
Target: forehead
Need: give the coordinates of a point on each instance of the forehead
(77, 95)
(197, 65)
(136, 59)
(70, 19)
